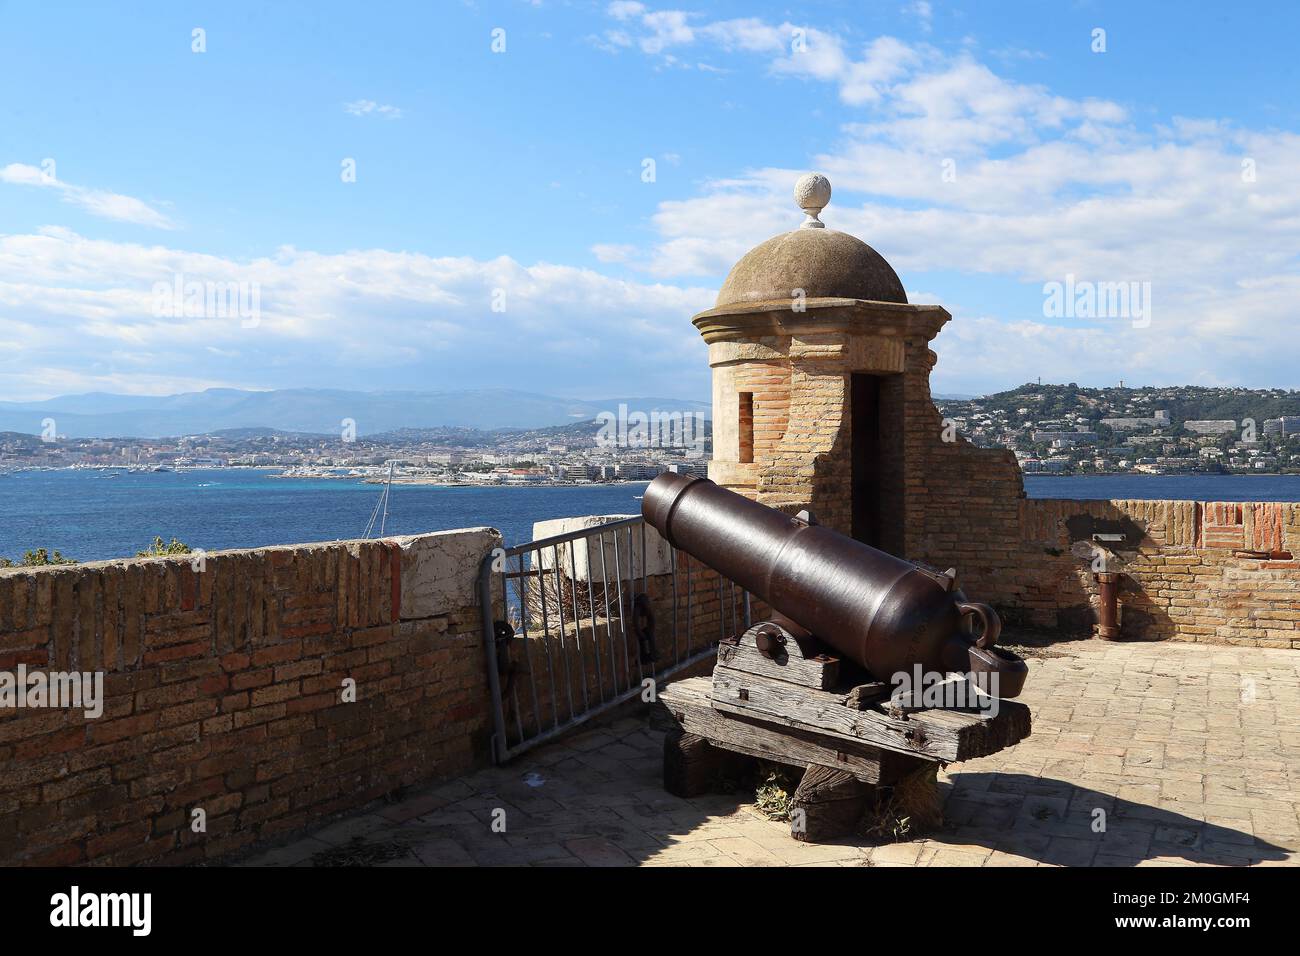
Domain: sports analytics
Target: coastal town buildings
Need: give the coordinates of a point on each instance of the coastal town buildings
(1105, 431)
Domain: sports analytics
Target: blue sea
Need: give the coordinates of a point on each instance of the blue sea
(90, 517)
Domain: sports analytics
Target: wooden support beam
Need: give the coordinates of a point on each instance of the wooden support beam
(804, 665)
(686, 707)
(693, 766)
(864, 695)
(828, 804)
(945, 735)
(850, 774)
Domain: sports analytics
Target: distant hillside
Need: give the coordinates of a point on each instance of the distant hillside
(1184, 402)
(319, 411)
(19, 440)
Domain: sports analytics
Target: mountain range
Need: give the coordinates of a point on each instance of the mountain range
(109, 415)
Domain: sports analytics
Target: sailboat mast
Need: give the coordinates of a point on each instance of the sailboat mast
(387, 488)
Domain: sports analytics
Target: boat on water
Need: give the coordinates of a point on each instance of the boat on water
(381, 506)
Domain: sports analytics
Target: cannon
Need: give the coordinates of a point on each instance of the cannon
(882, 612)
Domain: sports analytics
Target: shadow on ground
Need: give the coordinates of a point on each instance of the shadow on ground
(596, 799)
(1058, 822)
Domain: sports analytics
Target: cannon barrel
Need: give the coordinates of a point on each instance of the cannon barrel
(881, 611)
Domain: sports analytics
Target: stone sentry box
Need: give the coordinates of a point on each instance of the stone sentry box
(821, 400)
(821, 395)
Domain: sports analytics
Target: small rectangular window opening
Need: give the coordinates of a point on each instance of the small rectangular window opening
(746, 427)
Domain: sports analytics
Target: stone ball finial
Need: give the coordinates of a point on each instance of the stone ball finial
(812, 192)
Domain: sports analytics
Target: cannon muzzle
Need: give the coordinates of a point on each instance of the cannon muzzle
(887, 614)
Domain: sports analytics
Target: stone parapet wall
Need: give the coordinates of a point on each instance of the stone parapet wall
(225, 683)
(1209, 572)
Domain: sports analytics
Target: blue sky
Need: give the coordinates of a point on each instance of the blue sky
(520, 172)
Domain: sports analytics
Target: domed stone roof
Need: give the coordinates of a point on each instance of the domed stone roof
(822, 262)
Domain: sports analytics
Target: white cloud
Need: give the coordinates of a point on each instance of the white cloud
(923, 12)
(1039, 186)
(97, 202)
(613, 252)
(749, 34)
(667, 28)
(369, 107)
(612, 41)
(885, 60)
(625, 9)
(360, 319)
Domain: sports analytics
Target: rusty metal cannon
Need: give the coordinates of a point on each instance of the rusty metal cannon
(887, 614)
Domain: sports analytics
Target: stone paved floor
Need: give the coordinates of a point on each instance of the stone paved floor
(1192, 753)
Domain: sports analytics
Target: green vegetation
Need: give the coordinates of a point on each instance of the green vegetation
(906, 810)
(775, 792)
(1183, 402)
(158, 549)
(42, 557)
(37, 559)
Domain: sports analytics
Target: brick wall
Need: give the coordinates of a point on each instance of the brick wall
(769, 385)
(224, 687)
(1185, 572)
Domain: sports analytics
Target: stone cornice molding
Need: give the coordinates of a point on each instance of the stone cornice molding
(777, 317)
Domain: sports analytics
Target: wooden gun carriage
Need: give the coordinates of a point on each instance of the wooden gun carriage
(843, 679)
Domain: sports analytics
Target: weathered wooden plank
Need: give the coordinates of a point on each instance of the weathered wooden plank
(687, 703)
(821, 671)
(692, 765)
(864, 695)
(828, 804)
(936, 734)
